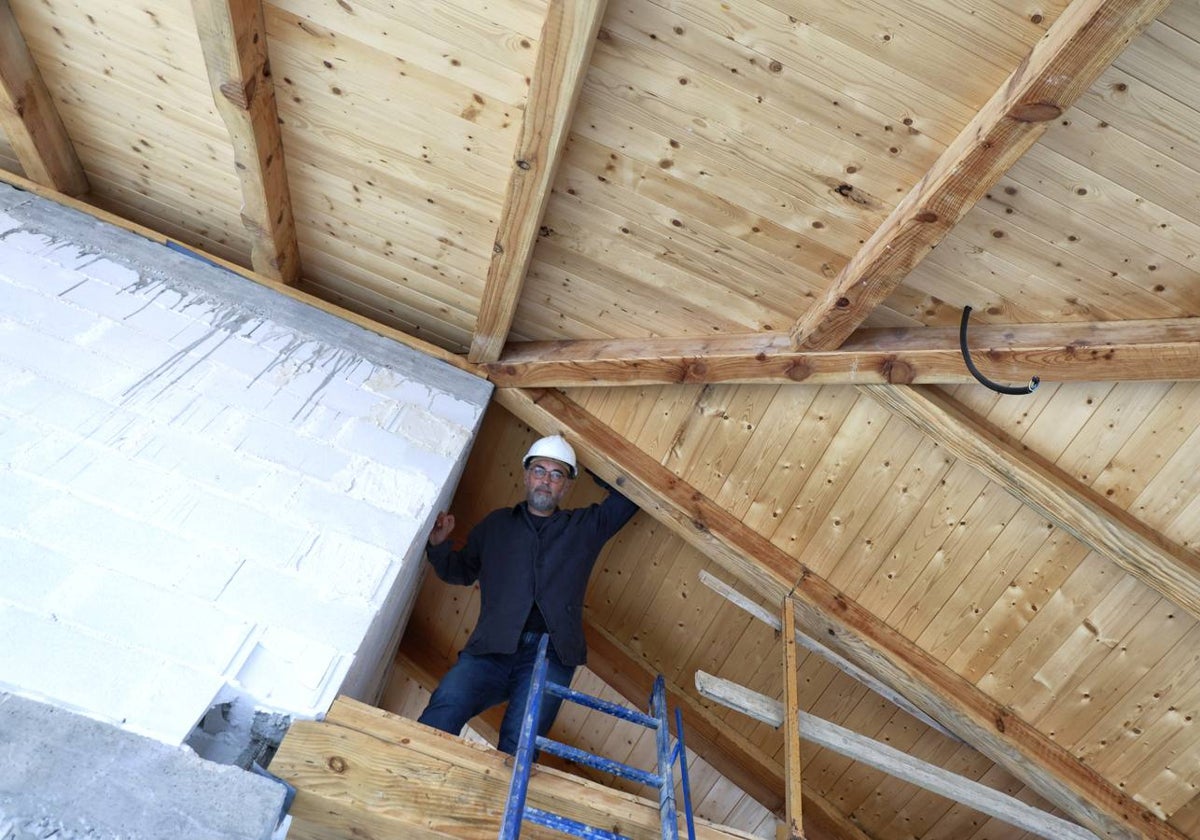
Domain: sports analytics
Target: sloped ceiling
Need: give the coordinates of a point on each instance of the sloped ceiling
(726, 248)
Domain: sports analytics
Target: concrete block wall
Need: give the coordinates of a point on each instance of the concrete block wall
(209, 493)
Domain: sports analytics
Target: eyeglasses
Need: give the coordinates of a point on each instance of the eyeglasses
(539, 472)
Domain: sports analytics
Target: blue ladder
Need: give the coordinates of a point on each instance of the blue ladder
(516, 811)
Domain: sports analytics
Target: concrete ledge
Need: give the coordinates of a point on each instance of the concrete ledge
(86, 780)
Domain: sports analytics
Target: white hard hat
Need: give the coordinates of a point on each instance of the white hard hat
(555, 447)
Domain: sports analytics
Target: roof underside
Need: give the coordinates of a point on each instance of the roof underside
(733, 240)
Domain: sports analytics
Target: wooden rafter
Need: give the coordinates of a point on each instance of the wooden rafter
(826, 613)
(1066, 352)
(1169, 569)
(1084, 40)
(233, 35)
(563, 55)
(29, 117)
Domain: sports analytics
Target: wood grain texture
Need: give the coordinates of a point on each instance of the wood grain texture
(29, 117)
(853, 631)
(563, 53)
(1167, 568)
(1070, 352)
(1079, 46)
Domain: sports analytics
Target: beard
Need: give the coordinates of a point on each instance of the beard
(542, 501)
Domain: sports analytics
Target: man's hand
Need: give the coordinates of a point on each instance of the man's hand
(441, 528)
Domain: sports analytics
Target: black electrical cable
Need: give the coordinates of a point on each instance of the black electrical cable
(983, 380)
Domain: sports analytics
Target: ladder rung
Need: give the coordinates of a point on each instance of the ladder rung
(602, 705)
(599, 762)
(569, 826)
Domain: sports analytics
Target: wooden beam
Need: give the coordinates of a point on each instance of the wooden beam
(233, 35)
(1084, 40)
(29, 117)
(826, 613)
(891, 761)
(1169, 569)
(568, 36)
(1166, 349)
(791, 723)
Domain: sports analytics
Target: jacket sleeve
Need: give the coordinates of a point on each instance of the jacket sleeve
(615, 510)
(461, 566)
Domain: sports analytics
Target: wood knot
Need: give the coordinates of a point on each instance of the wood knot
(843, 303)
(897, 371)
(524, 164)
(1032, 112)
(336, 763)
(928, 217)
(798, 371)
(1000, 724)
(239, 95)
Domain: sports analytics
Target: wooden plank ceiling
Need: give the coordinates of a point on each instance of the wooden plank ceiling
(725, 247)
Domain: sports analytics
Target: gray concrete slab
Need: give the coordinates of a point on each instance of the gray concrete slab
(69, 777)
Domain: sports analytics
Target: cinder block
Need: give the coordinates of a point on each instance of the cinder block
(317, 504)
(279, 599)
(101, 298)
(343, 565)
(252, 532)
(365, 438)
(23, 497)
(158, 319)
(31, 573)
(402, 491)
(139, 690)
(349, 399)
(453, 410)
(61, 361)
(126, 610)
(16, 433)
(280, 445)
(392, 385)
(431, 432)
(87, 532)
(291, 671)
(41, 311)
(210, 465)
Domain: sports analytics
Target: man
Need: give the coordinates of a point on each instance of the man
(532, 562)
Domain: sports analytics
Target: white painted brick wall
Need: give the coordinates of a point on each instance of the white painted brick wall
(206, 490)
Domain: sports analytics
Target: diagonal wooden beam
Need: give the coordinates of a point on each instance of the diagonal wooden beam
(1167, 349)
(1168, 568)
(855, 632)
(568, 36)
(1084, 40)
(233, 35)
(29, 118)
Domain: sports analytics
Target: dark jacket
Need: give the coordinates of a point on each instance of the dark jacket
(516, 564)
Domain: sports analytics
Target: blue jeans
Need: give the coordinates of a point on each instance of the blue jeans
(477, 683)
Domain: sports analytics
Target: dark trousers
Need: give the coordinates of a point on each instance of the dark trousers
(477, 683)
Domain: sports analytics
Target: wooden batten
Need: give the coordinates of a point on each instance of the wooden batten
(363, 772)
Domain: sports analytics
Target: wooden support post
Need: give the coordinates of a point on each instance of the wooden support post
(791, 721)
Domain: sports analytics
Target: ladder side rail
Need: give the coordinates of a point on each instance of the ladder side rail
(602, 705)
(514, 808)
(685, 782)
(569, 826)
(598, 762)
(666, 788)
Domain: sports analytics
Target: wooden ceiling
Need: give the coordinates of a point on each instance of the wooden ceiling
(726, 247)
